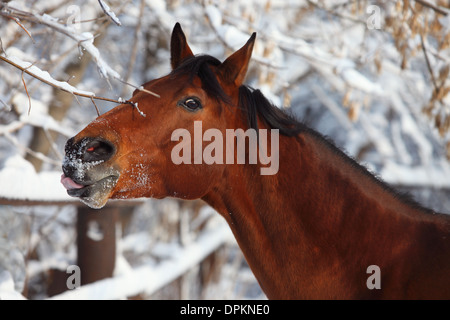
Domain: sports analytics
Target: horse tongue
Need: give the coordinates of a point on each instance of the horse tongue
(69, 184)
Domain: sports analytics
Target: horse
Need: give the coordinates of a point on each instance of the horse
(320, 226)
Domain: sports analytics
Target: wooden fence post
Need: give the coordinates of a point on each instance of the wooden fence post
(96, 242)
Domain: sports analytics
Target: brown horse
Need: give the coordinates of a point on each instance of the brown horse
(319, 226)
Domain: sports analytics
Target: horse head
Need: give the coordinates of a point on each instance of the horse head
(127, 152)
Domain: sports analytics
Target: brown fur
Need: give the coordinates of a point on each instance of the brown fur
(311, 230)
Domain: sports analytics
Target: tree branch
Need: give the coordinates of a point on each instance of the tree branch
(50, 83)
(433, 7)
(430, 70)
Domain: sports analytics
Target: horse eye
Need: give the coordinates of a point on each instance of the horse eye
(192, 104)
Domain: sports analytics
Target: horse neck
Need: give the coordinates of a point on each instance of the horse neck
(289, 221)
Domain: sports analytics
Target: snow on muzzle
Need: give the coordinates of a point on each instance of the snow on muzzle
(86, 171)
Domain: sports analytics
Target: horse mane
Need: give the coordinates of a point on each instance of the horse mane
(199, 66)
(254, 104)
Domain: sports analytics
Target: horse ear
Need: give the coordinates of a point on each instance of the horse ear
(234, 68)
(179, 48)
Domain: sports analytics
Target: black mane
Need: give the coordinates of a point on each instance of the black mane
(252, 102)
(199, 66)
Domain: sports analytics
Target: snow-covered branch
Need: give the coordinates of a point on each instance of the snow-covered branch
(84, 40)
(107, 10)
(44, 76)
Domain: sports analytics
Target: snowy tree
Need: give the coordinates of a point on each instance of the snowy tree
(374, 75)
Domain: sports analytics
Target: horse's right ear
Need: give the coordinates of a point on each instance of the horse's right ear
(179, 48)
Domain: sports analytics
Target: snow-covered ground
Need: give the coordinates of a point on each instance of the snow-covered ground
(355, 71)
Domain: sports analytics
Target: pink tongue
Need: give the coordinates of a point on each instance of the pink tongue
(69, 184)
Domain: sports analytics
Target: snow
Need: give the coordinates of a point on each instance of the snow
(44, 75)
(12, 266)
(149, 279)
(358, 81)
(7, 291)
(433, 176)
(94, 231)
(85, 40)
(214, 15)
(230, 34)
(159, 8)
(34, 112)
(109, 12)
(135, 104)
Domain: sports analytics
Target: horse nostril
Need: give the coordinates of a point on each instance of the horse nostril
(98, 150)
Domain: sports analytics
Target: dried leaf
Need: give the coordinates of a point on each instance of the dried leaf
(448, 150)
(353, 112)
(346, 98)
(443, 73)
(268, 6)
(287, 98)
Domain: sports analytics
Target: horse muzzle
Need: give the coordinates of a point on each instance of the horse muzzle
(86, 171)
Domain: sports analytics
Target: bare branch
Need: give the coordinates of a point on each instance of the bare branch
(430, 70)
(67, 88)
(52, 144)
(433, 6)
(140, 88)
(35, 154)
(82, 40)
(5, 105)
(96, 108)
(135, 44)
(258, 59)
(11, 127)
(28, 95)
(85, 39)
(16, 20)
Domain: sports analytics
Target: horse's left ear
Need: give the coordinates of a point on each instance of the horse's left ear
(234, 68)
(179, 48)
